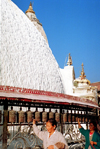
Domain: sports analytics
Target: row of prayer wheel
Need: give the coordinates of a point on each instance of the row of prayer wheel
(28, 116)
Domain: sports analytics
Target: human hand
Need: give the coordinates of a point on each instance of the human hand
(51, 147)
(34, 121)
(91, 142)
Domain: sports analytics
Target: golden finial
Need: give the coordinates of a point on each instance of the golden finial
(82, 73)
(30, 9)
(69, 63)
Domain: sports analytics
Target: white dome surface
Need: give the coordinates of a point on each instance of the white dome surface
(26, 60)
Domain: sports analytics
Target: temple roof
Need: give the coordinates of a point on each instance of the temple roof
(26, 60)
(97, 84)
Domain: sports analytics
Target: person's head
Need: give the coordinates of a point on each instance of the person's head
(92, 125)
(51, 125)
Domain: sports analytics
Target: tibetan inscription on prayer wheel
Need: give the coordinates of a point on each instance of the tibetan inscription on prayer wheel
(21, 116)
(29, 116)
(12, 116)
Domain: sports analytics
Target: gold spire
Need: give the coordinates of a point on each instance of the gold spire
(69, 63)
(82, 73)
(30, 9)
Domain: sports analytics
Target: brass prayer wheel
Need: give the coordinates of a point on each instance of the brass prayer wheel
(51, 114)
(73, 118)
(37, 116)
(21, 116)
(44, 116)
(69, 117)
(76, 118)
(29, 116)
(57, 116)
(12, 116)
(0, 115)
(64, 117)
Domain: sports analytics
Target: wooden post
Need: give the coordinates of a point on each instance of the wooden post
(5, 120)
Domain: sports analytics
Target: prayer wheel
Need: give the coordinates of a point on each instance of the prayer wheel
(51, 114)
(57, 116)
(44, 116)
(76, 118)
(64, 117)
(12, 116)
(73, 118)
(83, 119)
(69, 117)
(86, 119)
(29, 116)
(21, 116)
(37, 116)
(0, 115)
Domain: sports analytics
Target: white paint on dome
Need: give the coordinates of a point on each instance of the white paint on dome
(25, 58)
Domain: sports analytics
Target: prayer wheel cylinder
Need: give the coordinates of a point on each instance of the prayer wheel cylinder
(76, 118)
(69, 117)
(12, 116)
(44, 116)
(0, 115)
(21, 116)
(86, 119)
(83, 119)
(29, 116)
(73, 118)
(37, 116)
(51, 114)
(64, 117)
(57, 116)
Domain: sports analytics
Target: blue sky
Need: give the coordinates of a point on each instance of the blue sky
(71, 26)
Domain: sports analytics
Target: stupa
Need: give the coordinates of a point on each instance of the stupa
(30, 76)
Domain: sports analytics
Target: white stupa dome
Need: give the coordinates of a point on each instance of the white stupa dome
(26, 60)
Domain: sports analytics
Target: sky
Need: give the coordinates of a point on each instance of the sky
(71, 26)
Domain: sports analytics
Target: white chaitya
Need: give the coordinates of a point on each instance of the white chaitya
(68, 76)
(79, 87)
(26, 60)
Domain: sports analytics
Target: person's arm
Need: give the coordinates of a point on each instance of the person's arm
(39, 133)
(81, 129)
(79, 125)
